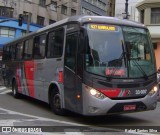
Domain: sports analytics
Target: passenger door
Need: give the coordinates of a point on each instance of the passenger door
(70, 83)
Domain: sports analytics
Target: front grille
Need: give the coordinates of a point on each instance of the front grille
(125, 85)
(125, 98)
(129, 85)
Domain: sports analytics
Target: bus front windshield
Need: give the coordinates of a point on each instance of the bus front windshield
(114, 51)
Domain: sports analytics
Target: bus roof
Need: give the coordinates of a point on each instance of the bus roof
(94, 19)
(86, 19)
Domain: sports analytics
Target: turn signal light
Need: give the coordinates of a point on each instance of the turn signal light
(60, 77)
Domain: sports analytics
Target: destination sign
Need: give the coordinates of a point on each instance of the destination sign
(102, 27)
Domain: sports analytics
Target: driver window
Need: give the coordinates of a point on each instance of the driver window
(70, 51)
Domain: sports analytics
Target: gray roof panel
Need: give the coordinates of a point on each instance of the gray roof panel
(86, 19)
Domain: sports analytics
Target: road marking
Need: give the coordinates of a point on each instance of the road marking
(3, 88)
(42, 118)
(74, 133)
(52, 120)
(10, 122)
(5, 92)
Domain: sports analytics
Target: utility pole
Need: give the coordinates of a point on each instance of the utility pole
(126, 10)
(29, 17)
(28, 22)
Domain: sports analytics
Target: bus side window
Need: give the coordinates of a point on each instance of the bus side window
(28, 48)
(13, 52)
(39, 46)
(7, 52)
(55, 43)
(19, 51)
(70, 51)
(80, 54)
(4, 53)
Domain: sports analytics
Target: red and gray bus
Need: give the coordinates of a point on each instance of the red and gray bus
(91, 65)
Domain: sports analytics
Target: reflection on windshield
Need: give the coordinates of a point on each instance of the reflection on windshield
(106, 52)
(140, 56)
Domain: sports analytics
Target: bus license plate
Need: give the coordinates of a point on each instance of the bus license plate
(129, 107)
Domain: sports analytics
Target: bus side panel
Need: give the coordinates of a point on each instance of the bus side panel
(29, 77)
(51, 70)
(39, 78)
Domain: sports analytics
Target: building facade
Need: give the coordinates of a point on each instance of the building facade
(10, 29)
(150, 16)
(39, 13)
(45, 12)
(133, 13)
(94, 7)
(111, 8)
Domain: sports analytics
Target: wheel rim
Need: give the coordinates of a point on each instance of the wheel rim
(56, 102)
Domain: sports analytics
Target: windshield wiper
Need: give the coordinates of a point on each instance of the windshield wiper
(139, 67)
(116, 67)
(123, 55)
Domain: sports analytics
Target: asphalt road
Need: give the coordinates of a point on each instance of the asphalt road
(30, 112)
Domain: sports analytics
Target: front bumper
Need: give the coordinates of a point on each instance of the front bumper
(94, 106)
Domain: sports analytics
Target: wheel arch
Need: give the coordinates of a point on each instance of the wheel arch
(55, 87)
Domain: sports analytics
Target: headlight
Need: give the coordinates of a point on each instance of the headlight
(153, 90)
(95, 92)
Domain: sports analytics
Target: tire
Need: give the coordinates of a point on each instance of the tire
(15, 90)
(55, 104)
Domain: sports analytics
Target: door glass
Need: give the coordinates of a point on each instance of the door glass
(70, 51)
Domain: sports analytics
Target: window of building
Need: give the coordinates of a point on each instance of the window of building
(88, 12)
(40, 20)
(53, 6)
(39, 46)
(142, 16)
(7, 32)
(42, 3)
(6, 54)
(26, 15)
(97, 3)
(90, 1)
(110, 4)
(154, 45)
(28, 48)
(6, 11)
(94, 2)
(155, 15)
(101, 5)
(55, 43)
(51, 21)
(64, 10)
(73, 12)
(23, 33)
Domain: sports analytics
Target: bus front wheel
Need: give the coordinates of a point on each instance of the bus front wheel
(55, 103)
(15, 90)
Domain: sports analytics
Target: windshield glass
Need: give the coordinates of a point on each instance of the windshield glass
(140, 54)
(109, 53)
(105, 50)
